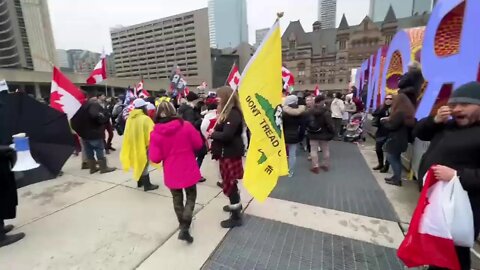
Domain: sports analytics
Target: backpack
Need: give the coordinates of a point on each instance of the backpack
(120, 122)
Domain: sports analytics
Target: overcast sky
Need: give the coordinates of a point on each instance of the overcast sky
(85, 24)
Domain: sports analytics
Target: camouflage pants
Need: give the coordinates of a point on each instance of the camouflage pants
(184, 212)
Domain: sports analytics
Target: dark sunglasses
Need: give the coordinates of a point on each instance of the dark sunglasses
(389, 99)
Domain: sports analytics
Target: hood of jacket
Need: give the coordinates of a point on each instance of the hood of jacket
(294, 111)
(137, 113)
(169, 127)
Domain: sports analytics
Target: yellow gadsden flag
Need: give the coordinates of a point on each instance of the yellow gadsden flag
(261, 98)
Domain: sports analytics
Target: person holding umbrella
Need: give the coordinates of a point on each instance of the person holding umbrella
(135, 144)
(89, 123)
(8, 186)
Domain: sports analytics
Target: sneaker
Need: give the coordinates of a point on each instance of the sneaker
(202, 180)
(325, 168)
(378, 167)
(315, 170)
(220, 184)
(290, 174)
(10, 239)
(7, 229)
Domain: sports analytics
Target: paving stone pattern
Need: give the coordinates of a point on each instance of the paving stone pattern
(266, 244)
(349, 186)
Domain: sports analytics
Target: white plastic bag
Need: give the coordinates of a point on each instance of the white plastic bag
(458, 213)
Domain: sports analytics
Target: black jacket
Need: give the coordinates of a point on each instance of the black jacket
(379, 113)
(410, 84)
(455, 147)
(188, 113)
(323, 116)
(293, 123)
(89, 122)
(8, 186)
(397, 141)
(227, 137)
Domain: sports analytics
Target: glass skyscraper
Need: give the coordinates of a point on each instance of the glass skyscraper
(227, 22)
(402, 8)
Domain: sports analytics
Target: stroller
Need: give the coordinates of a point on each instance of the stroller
(354, 129)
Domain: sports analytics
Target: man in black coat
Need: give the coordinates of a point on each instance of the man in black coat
(8, 186)
(411, 82)
(89, 123)
(190, 113)
(454, 135)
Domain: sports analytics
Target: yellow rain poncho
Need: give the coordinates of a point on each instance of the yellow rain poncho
(136, 140)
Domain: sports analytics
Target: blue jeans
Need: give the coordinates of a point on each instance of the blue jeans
(395, 160)
(92, 147)
(292, 157)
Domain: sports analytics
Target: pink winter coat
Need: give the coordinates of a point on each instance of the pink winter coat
(175, 143)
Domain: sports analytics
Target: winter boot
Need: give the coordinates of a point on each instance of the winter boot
(184, 235)
(140, 183)
(147, 185)
(385, 168)
(103, 166)
(235, 220)
(85, 165)
(92, 165)
(6, 229)
(378, 167)
(232, 207)
(6, 240)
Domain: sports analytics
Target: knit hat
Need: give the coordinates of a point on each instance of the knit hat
(139, 103)
(192, 97)
(468, 93)
(290, 100)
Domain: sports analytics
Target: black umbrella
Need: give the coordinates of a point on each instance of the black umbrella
(51, 140)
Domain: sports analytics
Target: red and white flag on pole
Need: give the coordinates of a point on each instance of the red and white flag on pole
(233, 79)
(316, 92)
(140, 91)
(288, 79)
(64, 95)
(99, 73)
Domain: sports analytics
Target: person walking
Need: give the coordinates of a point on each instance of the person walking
(454, 136)
(89, 123)
(320, 130)
(294, 129)
(381, 135)
(188, 113)
(136, 141)
(228, 148)
(398, 124)
(338, 109)
(174, 141)
(102, 100)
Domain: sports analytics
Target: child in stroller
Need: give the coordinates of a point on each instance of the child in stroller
(354, 128)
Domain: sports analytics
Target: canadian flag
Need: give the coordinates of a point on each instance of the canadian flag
(99, 73)
(140, 92)
(234, 77)
(288, 78)
(429, 241)
(64, 95)
(316, 92)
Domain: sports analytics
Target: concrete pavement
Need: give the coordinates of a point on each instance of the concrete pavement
(83, 221)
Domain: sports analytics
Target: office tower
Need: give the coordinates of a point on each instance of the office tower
(327, 13)
(26, 38)
(152, 49)
(402, 8)
(227, 20)
(260, 35)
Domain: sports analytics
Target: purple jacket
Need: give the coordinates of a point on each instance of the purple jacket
(174, 143)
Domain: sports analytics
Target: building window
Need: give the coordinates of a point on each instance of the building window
(340, 80)
(292, 44)
(324, 50)
(343, 45)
